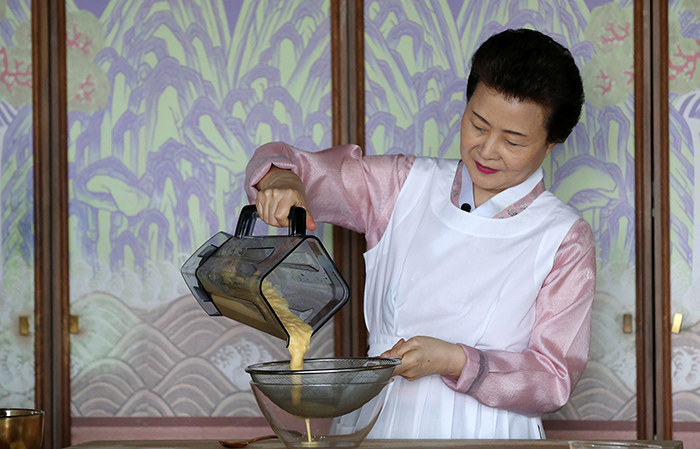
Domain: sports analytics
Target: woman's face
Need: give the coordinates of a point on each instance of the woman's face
(503, 141)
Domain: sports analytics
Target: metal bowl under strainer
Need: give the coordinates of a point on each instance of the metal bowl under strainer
(339, 370)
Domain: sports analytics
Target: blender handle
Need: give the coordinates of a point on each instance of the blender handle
(249, 214)
(297, 221)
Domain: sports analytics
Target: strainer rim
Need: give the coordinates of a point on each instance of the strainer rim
(391, 362)
(324, 384)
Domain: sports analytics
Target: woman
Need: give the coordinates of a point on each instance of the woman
(480, 280)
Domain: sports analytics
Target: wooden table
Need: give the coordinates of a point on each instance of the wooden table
(367, 444)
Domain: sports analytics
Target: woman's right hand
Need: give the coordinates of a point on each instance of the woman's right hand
(278, 191)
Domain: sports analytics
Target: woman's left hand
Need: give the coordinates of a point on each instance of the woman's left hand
(424, 356)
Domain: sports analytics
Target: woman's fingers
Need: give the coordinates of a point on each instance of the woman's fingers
(394, 351)
(408, 363)
(278, 191)
(273, 206)
(280, 211)
(310, 222)
(424, 356)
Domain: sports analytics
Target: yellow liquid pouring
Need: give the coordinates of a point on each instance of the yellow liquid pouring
(299, 337)
(299, 332)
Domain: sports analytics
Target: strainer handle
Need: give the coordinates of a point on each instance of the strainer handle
(249, 214)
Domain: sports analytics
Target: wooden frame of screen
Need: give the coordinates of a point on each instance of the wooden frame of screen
(653, 321)
(348, 78)
(51, 301)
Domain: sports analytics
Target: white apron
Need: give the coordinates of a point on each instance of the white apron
(441, 272)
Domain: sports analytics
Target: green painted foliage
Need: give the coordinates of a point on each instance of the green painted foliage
(16, 68)
(609, 75)
(683, 53)
(87, 83)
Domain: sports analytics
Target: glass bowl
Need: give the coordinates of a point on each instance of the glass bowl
(325, 429)
(320, 400)
(21, 428)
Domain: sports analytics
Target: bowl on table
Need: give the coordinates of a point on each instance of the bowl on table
(21, 428)
(314, 420)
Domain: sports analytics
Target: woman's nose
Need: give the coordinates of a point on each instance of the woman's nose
(489, 148)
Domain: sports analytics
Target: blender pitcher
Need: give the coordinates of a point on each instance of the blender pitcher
(226, 275)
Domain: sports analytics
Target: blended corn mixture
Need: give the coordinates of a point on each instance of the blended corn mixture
(299, 337)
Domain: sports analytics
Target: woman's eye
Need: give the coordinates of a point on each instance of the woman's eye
(512, 144)
(477, 127)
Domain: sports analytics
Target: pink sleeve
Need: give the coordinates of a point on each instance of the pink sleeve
(342, 187)
(540, 379)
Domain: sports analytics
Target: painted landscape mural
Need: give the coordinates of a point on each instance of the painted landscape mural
(191, 89)
(169, 98)
(16, 205)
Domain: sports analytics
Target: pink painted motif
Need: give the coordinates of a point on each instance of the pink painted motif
(12, 73)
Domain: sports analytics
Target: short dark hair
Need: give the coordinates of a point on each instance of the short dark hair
(529, 66)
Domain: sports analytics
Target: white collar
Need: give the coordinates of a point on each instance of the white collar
(500, 201)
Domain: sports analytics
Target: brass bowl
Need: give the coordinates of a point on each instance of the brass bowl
(21, 428)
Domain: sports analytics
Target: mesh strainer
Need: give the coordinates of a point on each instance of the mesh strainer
(325, 388)
(321, 400)
(339, 370)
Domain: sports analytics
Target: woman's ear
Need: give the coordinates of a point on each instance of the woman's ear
(550, 147)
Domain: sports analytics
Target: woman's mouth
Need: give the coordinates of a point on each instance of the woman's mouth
(484, 169)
